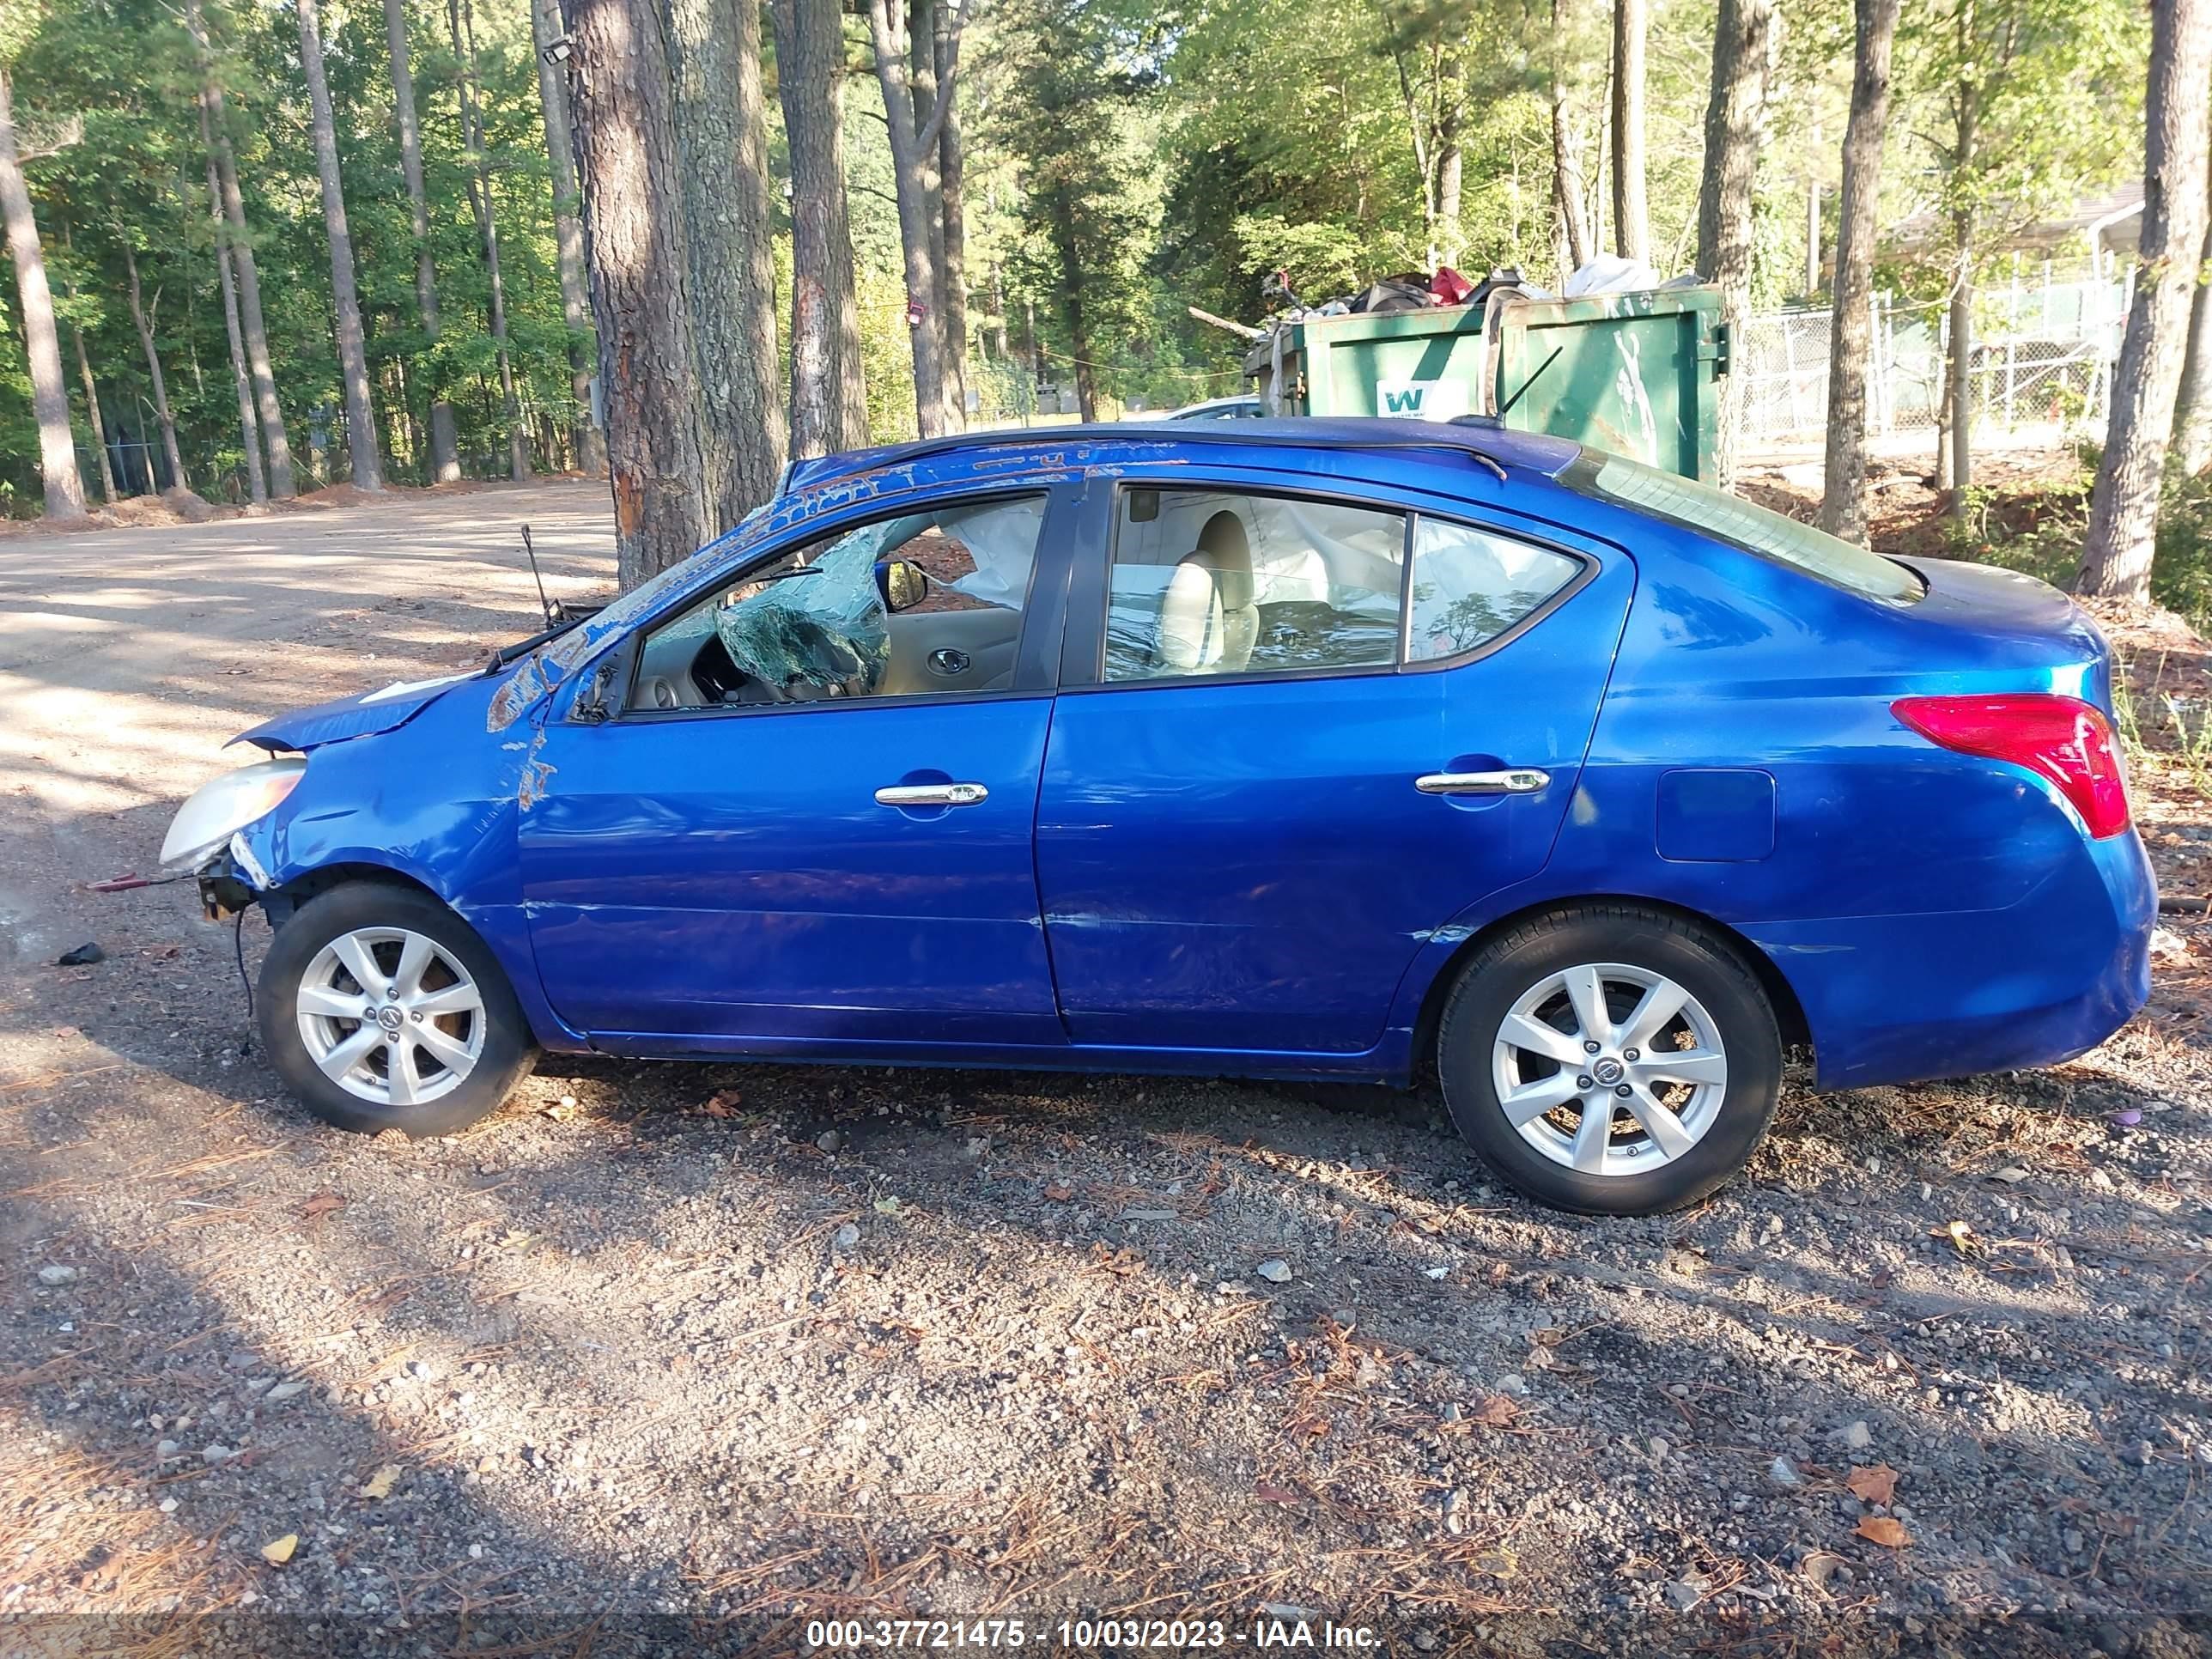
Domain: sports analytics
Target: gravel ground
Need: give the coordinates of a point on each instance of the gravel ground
(679, 1358)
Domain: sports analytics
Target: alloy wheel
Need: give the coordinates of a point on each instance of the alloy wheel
(391, 1016)
(1609, 1069)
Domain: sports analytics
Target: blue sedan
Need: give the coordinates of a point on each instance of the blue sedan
(1286, 748)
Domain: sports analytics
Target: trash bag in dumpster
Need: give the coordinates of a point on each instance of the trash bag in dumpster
(813, 630)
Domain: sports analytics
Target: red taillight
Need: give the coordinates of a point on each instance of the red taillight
(2061, 738)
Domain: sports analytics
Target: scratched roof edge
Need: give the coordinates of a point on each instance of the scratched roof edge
(1536, 452)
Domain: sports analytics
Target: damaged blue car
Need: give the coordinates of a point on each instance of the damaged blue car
(1309, 748)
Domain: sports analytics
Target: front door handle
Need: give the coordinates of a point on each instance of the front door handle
(931, 794)
(1510, 780)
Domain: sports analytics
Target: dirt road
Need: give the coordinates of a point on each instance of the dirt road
(670, 1359)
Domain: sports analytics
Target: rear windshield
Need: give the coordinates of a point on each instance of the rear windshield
(1741, 524)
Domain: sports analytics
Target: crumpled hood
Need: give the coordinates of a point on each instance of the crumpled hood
(363, 716)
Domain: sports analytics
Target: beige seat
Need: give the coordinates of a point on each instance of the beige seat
(1207, 617)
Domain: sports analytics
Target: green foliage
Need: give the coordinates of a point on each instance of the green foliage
(2181, 570)
(1126, 160)
(127, 71)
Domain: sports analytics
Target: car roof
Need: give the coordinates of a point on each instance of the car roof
(1477, 437)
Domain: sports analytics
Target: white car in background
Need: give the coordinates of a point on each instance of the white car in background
(1223, 409)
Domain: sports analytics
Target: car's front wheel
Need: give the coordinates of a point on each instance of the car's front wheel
(1610, 1058)
(381, 1009)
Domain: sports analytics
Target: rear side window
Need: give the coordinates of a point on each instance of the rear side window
(1742, 524)
(1470, 586)
(1226, 582)
(1207, 582)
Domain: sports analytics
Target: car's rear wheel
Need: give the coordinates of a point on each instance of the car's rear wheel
(1610, 1058)
(381, 1009)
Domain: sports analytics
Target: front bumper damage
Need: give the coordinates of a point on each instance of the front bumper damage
(231, 881)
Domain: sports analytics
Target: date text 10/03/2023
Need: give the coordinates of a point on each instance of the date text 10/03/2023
(1169, 1635)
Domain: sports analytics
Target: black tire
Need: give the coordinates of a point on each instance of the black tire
(1695, 958)
(508, 1050)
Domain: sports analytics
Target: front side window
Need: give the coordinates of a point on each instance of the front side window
(929, 601)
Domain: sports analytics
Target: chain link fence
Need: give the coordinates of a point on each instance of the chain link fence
(2041, 361)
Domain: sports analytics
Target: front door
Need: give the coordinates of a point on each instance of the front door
(810, 829)
(1294, 764)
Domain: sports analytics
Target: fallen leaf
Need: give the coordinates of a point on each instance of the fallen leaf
(721, 1105)
(1268, 1493)
(1875, 1486)
(277, 1551)
(1961, 1237)
(1059, 1193)
(379, 1484)
(1493, 1411)
(889, 1206)
(320, 1205)
(1880, 1529)
(2012, 1176)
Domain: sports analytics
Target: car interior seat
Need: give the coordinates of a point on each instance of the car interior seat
(1208, 619)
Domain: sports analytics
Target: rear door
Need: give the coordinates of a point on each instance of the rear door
(1264, 789)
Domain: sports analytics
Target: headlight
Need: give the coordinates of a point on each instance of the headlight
(221, 809)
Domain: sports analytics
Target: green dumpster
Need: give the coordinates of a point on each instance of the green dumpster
(1636, 374)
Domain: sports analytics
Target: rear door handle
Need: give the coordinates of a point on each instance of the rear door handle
(1510, 780)
(931, 794)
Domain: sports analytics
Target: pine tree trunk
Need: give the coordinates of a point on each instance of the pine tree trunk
(887, 29)
(721, 140)
(1851, 332)
(567, 239)
(479, 189)
(1959, 374)
(1074, 313)
(637, 249)
(1631, 219)
(353, 356)
(951, 165)
(445, 439)
(1959, 369)
(1451, 181)
(249, 428)
(98, 421)
(1734, 113)
(91, 411)
(2192, 407)
(921, 76)
(144, 323)
(2116, 555)
(273, 435)
(63, 489)
(1567, 180)
(829, 399)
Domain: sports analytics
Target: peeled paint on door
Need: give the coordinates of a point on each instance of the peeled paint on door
(822, 628)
